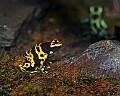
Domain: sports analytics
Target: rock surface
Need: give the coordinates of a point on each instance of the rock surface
(12, 15)
(105, 55)
(100, 59)
(15, 16)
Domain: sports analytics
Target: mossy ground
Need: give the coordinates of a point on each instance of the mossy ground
(56, 83)
(14, 82)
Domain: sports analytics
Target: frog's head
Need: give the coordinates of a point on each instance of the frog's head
(96, 11)
(55, 45)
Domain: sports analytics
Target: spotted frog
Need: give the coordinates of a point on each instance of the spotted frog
(36, 58)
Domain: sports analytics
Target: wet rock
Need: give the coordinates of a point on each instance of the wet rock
(109, 53)
(28, 27)
(103, 58)
(100, 59)
(5, 38)
(14, 16)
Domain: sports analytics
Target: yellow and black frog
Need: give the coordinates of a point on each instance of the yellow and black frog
(36, 58)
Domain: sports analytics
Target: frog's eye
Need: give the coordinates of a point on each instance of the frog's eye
(55, 43)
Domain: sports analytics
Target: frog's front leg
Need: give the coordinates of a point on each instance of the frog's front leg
(42, 69)
(22, 68)
(45, 66)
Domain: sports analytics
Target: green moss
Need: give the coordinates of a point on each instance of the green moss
(14, 82)
(29, 89)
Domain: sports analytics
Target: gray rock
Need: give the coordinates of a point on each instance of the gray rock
(104, 55)
(16, 19)
(6, 36)
(12, 15)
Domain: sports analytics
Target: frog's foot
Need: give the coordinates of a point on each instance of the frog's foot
(43, 70)
(22, 68)
(48, 67)
(32, 72)
(46, 72)
(50, 62)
